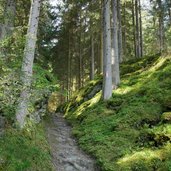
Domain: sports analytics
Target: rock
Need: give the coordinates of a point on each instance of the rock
(166, 116)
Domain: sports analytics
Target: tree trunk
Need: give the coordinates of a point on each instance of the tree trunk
(115, 51)
(161, 25)
(137, 30)
(124, 31)
(141, 36)
(80, 62)
(27, 64)
(68, 68)
(107, 71)
(134, 31)
(120, 33)
(101, 39)
(169, 11)
(92, 59)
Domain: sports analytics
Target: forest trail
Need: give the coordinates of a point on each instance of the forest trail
(66, 154)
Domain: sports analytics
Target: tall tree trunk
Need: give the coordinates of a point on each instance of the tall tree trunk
(9, 17)
(124, 30)
(141, 36)
(120, 32)
(137, 29)
(161, 25)
(92, 70)
(101, 39)
(27, 64)
(115, 51)
(169, 11)
(134, 31)
(80, 62)
(68, 68)
(107, 70)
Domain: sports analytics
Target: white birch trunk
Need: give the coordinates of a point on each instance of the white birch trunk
(107, 70)
(27, 65)
(115, 50)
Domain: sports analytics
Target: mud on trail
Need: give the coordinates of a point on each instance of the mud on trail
(66, 154)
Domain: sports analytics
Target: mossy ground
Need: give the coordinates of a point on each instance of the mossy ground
(25, 150)
(127, 132)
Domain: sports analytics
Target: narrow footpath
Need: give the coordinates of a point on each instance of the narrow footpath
(66, 154)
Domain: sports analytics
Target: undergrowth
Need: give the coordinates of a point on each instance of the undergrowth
(25, 150)
(131, 131)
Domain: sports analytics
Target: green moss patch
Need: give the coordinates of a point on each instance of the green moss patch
(130, 132)
(25, 150)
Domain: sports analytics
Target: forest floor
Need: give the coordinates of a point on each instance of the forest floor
(66, 154)
(132, 130)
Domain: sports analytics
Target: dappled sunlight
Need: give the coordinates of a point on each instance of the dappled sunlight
(88, 104)
(144, 155)
(130, 128)
(159, 63)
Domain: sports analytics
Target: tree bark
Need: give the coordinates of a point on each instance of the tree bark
(107, 71)
(115, 50)
(161, 25)
(124, 30)
(27, 64)
(138, 51)
(92, 71)
(101, 39)
(120, 47)
(134, 31)
(169, 12)
(141, 36)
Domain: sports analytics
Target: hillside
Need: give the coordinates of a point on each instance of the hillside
(132, 130)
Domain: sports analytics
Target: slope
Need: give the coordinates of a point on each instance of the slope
(132, 130)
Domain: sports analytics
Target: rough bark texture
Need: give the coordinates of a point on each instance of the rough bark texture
(107, 71)
(27, 64)
(115, 50)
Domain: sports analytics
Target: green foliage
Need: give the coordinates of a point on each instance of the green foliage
(26, 150)
(128, 132)
(43, 79)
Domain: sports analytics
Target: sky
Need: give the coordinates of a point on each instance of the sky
(55, 2)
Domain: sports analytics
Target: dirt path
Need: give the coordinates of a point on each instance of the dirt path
(66, 154)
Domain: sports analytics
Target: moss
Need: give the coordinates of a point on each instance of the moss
(25, 150)
(166, 116)
(128, 132)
